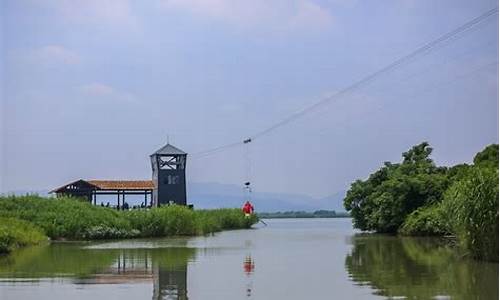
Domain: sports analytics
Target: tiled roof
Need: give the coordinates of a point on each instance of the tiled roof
(109, 185)
(122, 184)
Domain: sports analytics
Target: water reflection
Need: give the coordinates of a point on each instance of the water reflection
(164, 268)
(415, 268)
(248, 268)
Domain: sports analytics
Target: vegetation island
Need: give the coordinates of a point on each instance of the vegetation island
(30, 220)
(418, 198)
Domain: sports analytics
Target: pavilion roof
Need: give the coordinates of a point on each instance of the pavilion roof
(122, 184)
(109, 185)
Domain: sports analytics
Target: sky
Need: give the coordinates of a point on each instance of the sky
(90, 88)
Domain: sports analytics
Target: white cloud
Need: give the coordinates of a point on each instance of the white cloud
(98, 90)
(96, 12)
(270, 14)
(49, 55)
(56, 54)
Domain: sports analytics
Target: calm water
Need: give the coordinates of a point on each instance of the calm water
(289, 259)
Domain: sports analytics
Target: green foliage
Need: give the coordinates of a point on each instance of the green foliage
(222, 219)
(408, 198)
(472, 210)
(179, 220)
(383, 201)
(163, 221)
(488, 157)
(17, 233)
(67, 218)
(426, 221)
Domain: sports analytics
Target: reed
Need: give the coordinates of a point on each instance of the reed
(67, 218)
(17, 233)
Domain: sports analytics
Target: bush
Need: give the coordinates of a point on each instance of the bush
(471, 205)
(17, 233)
(426, 221)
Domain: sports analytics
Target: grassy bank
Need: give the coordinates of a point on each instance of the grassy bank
(67, 218)
(17, 233)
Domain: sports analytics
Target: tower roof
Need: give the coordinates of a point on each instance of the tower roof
(169, 150)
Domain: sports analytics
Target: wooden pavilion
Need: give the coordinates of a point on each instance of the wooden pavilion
(90, 189)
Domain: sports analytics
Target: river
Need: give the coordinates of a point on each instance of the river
(288, 259)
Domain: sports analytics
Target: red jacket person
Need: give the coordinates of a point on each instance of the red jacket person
(248, 208)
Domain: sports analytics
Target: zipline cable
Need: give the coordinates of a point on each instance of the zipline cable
(423, 50)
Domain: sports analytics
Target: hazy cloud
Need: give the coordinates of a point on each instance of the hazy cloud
(107, 12)
(56, 54)
(97, 89)
(100, 90)
(274, 14)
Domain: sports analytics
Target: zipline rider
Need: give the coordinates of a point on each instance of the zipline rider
(248, 209)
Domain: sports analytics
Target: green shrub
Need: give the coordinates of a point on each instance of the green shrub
(471, 205)
(17, 233)
(426, 221)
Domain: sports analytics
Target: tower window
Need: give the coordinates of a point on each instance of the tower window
(172, 179)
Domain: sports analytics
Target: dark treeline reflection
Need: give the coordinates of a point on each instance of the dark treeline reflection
(165, 268)
(419, 268)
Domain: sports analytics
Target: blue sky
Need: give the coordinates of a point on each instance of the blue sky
(91, 88)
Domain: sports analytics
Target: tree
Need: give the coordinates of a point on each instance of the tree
(382, 202)
(487, 157)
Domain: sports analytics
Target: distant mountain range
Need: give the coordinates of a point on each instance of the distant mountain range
(217, 195)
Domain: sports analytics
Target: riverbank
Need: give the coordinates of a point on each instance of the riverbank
(71, 219)
(357, 266)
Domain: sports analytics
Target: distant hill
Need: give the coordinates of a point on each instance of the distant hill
(215, 195)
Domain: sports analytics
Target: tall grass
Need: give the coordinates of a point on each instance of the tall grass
(426, 221)
(17, 233)
(65, 218)
(471, 205)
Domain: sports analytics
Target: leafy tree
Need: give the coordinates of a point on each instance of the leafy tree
(382, 202)
(488, 157)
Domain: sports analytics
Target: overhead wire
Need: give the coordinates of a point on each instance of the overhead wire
(420, 51)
